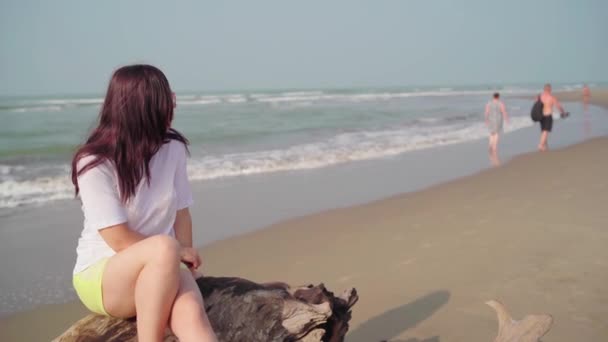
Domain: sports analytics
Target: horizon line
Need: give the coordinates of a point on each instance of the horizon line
(491, 86)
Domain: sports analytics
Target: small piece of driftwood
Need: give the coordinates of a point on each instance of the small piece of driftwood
(530, 329)
(241, 310)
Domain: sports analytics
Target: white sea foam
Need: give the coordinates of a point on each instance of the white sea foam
(37, 109)
(303, 93)
(380, 96)
(200, 101)
(236, 99)
(341, 148)
(259, 95)
(88, 101)
(50, 105)
(39, 190)
(8, 169)
(346, 147)
(428, 120)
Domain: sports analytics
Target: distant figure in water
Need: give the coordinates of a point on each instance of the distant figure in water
(546, 123)
(586, 97)
(495, 115)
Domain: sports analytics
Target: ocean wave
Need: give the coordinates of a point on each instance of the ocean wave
(236, 99)
(570, 87)
(39, 190)
(6, 170)
(86, 101)
(52, 105)
(199, 101)
(341, 148)
(49, 105)
(303, 93)
(375, 96)
(36, 109)
(430, 120)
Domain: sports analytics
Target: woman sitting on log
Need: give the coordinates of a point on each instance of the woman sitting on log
(136, 246)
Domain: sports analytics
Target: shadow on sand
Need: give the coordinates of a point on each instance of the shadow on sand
(432, 339)
(397, 320)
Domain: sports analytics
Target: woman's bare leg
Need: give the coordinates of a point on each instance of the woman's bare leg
(493, 141)
(542, 146)
(143, 279)
(188, 320)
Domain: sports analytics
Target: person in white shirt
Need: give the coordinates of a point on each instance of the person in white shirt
(496, 115)
(135, 255)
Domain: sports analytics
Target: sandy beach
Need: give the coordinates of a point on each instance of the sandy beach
(531, 234)
(599, 97)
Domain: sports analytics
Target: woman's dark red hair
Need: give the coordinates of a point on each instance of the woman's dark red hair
(134, 122)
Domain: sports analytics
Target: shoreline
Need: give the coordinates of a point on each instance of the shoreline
(347, 228)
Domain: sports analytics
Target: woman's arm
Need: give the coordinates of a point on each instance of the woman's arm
(183, 221)
(183, 234)
(119, 237)
(102, 207)
(183, 227)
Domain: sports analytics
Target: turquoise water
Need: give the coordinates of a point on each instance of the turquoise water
(243, 133)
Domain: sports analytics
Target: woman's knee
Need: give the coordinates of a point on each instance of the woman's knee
(165, 249)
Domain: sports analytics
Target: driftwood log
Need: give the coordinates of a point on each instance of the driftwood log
(530, 329)
(241, 310)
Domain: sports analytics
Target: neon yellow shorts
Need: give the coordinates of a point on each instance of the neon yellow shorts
(87, 284)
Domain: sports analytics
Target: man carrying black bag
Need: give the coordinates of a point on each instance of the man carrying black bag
(542, 111)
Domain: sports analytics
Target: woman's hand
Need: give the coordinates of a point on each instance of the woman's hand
(191, 257)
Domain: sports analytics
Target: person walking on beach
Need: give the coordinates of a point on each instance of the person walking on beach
(495, 114)
(135, 255)
(586, 97)
(587, 119)
(546, 123)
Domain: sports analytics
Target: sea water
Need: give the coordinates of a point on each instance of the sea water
(243, 133)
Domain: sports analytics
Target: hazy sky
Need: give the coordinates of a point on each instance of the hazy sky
(61, 46)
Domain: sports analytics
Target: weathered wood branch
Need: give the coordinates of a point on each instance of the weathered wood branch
(241, 310)
(530, 329)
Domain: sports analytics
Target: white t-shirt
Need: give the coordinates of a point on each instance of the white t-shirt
(150, 212)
